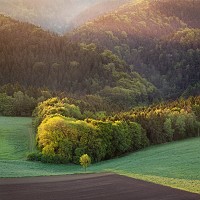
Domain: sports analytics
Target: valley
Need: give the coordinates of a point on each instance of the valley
(116, 81)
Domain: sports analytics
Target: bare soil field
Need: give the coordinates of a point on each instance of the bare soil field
(87, 186)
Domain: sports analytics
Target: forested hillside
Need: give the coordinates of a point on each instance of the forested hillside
(133, 56)
(159, 39)
(32, 57)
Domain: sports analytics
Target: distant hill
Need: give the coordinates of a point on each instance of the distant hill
(141, 19)
(96, 11)
(158, 38)
(49, 14)
(31, 56)
(58, 16)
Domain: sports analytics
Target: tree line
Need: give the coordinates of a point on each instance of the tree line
(169, 121)
(64, 134)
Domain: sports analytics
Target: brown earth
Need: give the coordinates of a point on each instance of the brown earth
(87, 186)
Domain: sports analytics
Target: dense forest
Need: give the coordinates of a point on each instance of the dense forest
(33, 57)
(159, 39)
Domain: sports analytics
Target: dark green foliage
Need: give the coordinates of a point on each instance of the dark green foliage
(34, 58)
(172, 64)
(19, 104)
(167, 121)
(34, 157)
(196, 110)
(77, 154)
(57, 159)
(115, 137)
(169, 131)
(138, 136)
(192, 90)
(6, 105)
(158, 39)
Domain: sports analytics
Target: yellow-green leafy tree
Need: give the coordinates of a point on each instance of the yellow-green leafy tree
(85, 161)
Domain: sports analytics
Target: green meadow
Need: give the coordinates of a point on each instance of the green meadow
(16, 138)
(175, 164)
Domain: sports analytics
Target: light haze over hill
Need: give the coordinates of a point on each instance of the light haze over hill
(57, 15)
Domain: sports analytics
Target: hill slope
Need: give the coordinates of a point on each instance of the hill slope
(49, 14)
(96, 11)
(139, 20)
(33, 57)
(160, 39)
(161, 44)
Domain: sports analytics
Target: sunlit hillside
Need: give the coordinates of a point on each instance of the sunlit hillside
(159, 39)
(96, 11)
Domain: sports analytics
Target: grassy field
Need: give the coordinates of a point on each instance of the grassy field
(176, 164)
(16, 137)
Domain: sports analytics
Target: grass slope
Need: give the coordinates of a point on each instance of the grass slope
(16, 137)
(175, 164)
